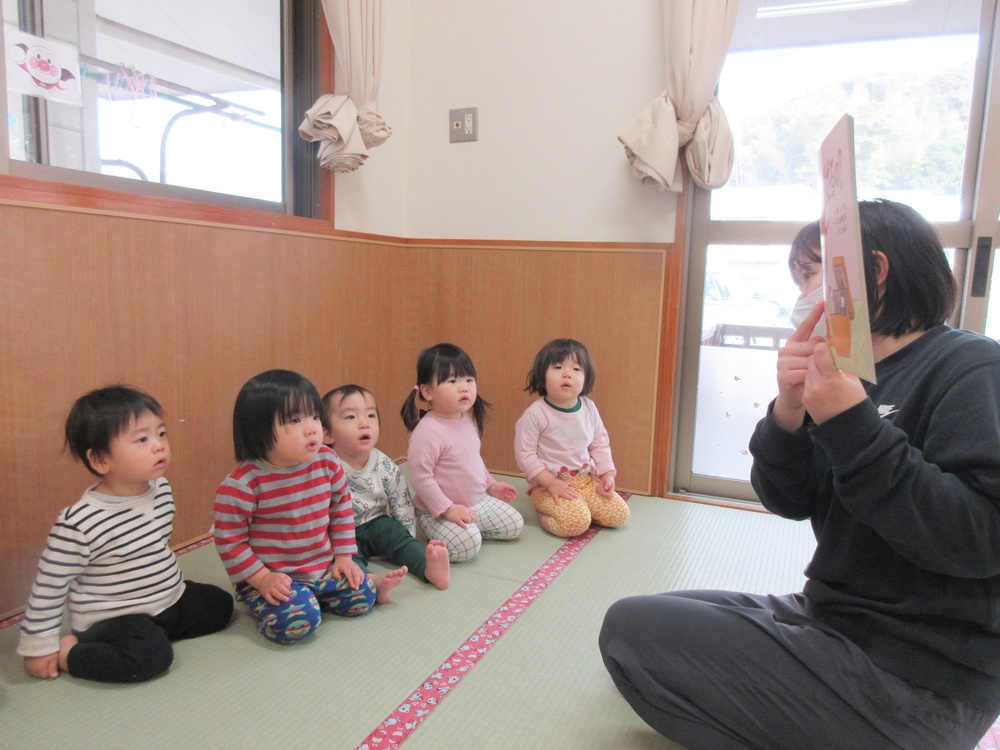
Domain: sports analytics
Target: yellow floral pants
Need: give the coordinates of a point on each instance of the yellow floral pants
(573, 517)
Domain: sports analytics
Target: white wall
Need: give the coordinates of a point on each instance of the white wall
(554, 82)
(374, 198)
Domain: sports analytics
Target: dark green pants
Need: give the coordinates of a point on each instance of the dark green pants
(386, 537)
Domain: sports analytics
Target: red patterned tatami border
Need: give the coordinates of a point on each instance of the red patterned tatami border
(402, 722)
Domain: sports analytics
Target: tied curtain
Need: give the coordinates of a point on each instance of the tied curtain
(687, 115)
(347, 124)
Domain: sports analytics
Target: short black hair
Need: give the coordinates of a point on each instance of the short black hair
(344, 391)
(919, 291)
(557, 351)
(807, 243)
(275, 395)
(98, 417)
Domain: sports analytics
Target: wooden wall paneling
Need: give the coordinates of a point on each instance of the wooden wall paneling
(516, 299)
(53, 309)
(667, 372)
(190, 311)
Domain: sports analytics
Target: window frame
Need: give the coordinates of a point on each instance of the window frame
(980, 211)
(306, 70)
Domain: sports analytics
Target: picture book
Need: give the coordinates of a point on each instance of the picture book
(847, 323)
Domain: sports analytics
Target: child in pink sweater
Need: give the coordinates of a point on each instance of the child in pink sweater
(562, 447)
(457, 499)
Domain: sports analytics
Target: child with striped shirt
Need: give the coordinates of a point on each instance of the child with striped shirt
(108, 556)
(284, 523)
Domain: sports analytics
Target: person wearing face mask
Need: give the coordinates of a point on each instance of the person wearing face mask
(894, 641)
(806, 266)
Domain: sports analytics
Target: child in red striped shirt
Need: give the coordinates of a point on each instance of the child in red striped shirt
(284, 525)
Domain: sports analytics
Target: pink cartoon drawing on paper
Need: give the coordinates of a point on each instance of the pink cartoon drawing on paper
(41, 64)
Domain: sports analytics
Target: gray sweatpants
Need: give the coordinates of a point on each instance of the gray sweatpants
(720, 670)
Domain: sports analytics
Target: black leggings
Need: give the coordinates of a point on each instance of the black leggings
(135, 648)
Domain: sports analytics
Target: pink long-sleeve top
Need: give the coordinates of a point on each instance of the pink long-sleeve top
(564, 442)
(445, 465)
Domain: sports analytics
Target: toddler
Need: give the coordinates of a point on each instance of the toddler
(457, 499)
(284, 527)
(562, 447)
(383, 510)
(109, 557)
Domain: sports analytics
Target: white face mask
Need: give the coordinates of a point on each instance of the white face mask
(804, 306)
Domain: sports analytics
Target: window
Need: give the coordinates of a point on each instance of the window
(741, 331)
(167, 98)
(917, 95)
(910, 99)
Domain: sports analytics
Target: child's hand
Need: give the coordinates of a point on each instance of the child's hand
(460, 514)
(503, 491)
(345, 567)
(44, 667)
(561, 491)
(275, 587)
(607, 486)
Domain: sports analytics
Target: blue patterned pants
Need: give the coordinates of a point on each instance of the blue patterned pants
(299, 617)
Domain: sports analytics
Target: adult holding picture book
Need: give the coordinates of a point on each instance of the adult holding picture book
(895, 640)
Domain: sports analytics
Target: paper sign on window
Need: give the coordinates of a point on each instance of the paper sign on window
(42, 67)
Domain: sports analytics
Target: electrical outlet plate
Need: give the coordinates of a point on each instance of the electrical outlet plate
(463, 125)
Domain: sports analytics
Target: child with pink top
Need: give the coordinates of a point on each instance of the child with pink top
(562, 447)
(457, 499)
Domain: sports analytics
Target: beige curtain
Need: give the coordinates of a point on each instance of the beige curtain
(687, 115)
(347, 124)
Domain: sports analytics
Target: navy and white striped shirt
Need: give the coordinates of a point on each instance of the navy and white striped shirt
(105, 557)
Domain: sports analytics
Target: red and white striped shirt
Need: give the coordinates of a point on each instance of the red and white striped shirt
(293, 521)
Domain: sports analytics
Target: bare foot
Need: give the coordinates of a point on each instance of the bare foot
(385, 583)
(65, 644)
(438, 570)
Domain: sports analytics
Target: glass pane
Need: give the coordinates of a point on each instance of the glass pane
(184, 93)
(749, 294)
(910, 99)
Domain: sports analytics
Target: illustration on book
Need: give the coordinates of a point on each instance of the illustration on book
(848, 328)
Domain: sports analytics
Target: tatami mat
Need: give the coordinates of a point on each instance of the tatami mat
(542, 685)
(236, 688)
